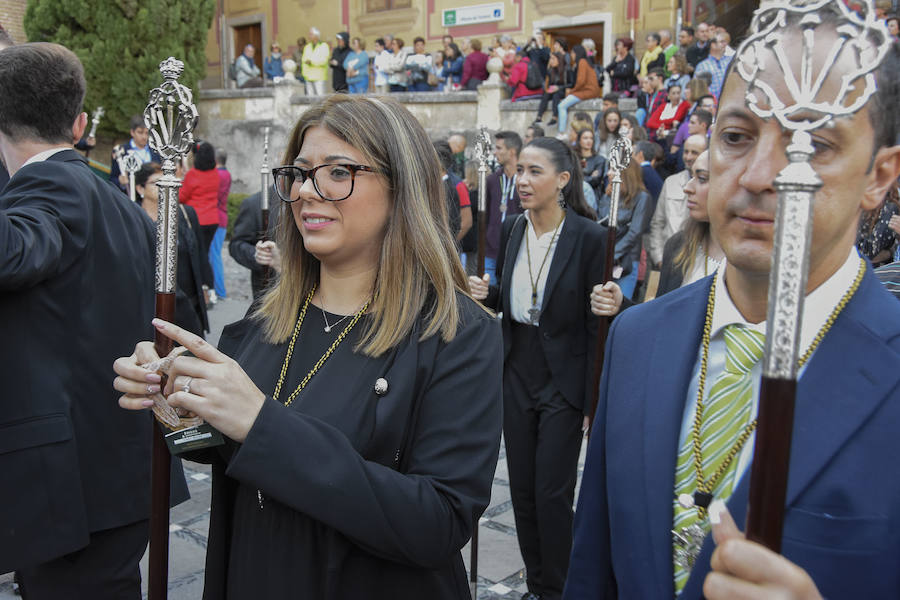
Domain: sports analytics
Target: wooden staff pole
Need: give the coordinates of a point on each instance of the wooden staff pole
(619, 157)
(171, 117)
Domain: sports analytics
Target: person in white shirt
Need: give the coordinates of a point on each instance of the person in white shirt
(382, 61)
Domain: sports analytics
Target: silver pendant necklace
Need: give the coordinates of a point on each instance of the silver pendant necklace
(330, 326)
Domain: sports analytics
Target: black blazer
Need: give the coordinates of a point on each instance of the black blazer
(193, 269)
(76, 292)
(568, 328)
(398, 512)
(670, 275)
(247, 231)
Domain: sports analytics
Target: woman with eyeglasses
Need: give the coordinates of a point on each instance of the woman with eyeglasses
(361, 399)
(549, 259)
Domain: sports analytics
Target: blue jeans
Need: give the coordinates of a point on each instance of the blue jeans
(628, 282)
(359, 87)
(490, 267)
(563, 108)
(420, 86)
(215, 259)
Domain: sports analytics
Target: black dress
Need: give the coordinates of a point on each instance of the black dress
(363, 495)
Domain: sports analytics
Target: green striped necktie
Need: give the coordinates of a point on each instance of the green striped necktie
(726, 413)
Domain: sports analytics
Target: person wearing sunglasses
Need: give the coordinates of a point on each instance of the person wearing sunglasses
(361, 399)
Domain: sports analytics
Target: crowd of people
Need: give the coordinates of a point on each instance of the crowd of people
(363, 396)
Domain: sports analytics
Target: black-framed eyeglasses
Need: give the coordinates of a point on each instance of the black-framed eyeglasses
(333, 182)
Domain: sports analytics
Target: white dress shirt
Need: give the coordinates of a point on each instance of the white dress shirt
(42, 156)
(816, 309)
(520, 288)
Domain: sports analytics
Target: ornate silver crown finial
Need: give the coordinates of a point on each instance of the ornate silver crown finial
(483, 147)
(804, 103)
(171, 68)
(620, 154)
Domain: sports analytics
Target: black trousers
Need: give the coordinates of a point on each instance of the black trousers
(207, 233)
(556, 97)
(543, 437)
(106, 569)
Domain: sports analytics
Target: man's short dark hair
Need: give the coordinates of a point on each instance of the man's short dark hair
(221, 156)
(41, 92)
(511, 140)
(445, 154)
(380, 41)
(611, 97)
(704, 116)
(418, 39)
(648, 149)
(688, 30)
(136, 121)
(655, 36)
(536, 131)
(658, 71)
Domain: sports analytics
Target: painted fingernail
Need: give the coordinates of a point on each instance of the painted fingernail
(147, 403)
(153, 377)
(152, 389)
(716, 509)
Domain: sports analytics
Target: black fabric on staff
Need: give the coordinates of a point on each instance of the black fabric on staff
(546, 392)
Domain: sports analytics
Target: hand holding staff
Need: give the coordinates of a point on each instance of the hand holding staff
(171, 117)
(806, 101)
(619, 158)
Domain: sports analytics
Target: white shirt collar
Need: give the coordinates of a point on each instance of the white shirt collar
(42, 156)
(816, 308)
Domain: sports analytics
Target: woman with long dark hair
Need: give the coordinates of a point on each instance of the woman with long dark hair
(554, 87)
(549, 258)
(586, 85)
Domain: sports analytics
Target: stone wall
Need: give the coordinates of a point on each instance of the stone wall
(234, 120)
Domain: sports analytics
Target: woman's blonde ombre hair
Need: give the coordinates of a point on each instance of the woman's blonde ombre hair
(419, 272)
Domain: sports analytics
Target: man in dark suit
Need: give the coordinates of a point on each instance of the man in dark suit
(502, 195)
(246, 246)
(842, 521)
(76, 291)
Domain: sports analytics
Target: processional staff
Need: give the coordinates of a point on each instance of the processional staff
(95, 120)
(171, 117)
(264, 174)
(619, 158)
(483, 154)
(132, 165)
(801, 106)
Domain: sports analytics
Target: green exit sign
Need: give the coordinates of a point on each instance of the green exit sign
(449, 18)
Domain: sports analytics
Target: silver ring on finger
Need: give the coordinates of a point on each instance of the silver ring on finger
(186, 387)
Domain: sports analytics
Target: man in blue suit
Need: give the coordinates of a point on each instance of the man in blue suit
(842, 522)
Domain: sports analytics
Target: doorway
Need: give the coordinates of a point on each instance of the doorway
(250, 33)
(575, 34)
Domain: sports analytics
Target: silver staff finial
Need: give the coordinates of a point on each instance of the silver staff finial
(801, 90)
(483, 149)
(171, 117)
(619, 158)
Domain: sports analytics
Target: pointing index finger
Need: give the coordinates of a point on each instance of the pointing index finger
(194, 343)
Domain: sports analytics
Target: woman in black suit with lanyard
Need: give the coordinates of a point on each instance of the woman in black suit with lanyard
(548, 261)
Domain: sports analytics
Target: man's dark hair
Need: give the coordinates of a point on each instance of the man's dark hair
(658, 71)
(688, 30)
(704, 116)
(611, 97)
(221, 156)
(41, 92)
(562, 44)
(648, 149)
(380, 41)
(136, 122)
(655, 36)
(511, 140)
(204, 156)
(418, 39)
(536, 131)
(445, 154)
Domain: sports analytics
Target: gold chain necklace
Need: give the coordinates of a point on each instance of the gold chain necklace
(290, 351)
(703, 496)
(534, 313)
(321, 361)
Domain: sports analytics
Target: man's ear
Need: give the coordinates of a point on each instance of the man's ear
(78, 127)
(883, 174)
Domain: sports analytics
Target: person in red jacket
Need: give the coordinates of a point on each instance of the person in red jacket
(518, 76)
(664, 122)
(586, 85)
(200, 189)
